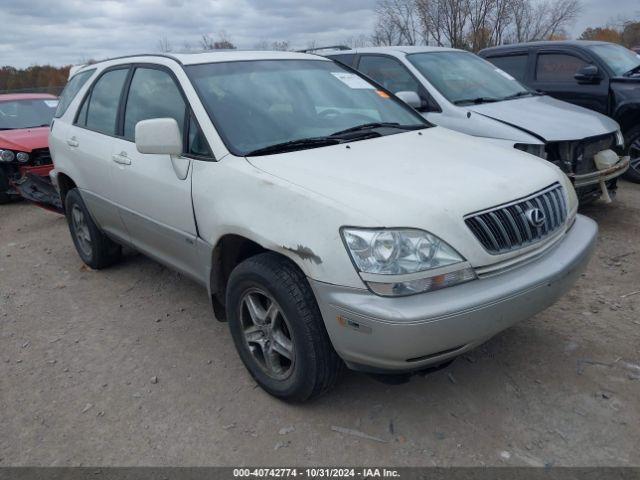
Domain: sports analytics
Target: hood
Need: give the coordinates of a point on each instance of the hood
(423, 179)
(548, 118)
(24, 140)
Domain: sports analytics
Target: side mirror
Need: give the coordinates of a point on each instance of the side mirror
(411, 98)
(588, 74)
(159, 136)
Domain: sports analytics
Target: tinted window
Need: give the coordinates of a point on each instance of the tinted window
(153, 94)
(347, 59)
(516, 65)
(71, 90)
(557, 67)
(389, 73)
(103, 102)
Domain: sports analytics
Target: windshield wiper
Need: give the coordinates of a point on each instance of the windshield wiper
(632, 71)
(523, 93)
(477, 101)
(292, 145)
(370, 126)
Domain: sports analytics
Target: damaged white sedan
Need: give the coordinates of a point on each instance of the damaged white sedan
(330, 223)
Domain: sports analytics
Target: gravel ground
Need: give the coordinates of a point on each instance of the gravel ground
(127, 366)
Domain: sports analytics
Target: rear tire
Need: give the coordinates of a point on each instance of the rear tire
(278, 330)
(632, 140)
(94, 247)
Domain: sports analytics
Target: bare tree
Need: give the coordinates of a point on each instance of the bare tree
(280, 45)
(164, 45)
(397, 23)
(222, 43)
(543, 20)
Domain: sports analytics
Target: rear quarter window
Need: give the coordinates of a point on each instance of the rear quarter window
(71, 90)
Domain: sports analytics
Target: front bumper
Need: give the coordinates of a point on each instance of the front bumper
(596, 177)
(394, 335)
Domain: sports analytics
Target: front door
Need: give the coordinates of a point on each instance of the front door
(554, 74)
(154, 191)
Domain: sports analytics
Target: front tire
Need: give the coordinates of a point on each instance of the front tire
(94, 247)
(277, 329)
(632, 140)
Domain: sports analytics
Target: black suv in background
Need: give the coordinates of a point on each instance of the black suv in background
(602, 76)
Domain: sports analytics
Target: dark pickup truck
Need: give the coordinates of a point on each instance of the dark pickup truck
(598, 75)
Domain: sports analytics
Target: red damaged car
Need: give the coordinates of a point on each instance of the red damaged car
(25, 161)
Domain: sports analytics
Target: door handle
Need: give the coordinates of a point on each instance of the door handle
(72, 142)
(121, 158)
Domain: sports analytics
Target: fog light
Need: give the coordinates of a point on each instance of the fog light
(22, 157)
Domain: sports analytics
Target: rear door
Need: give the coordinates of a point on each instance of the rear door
(89, 144)
(554, 74)
(154, 191)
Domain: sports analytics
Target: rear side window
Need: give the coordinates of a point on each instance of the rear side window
(71, 90)
(152, 94)
(389, 73)
(558, 67)
(515, 65)
(101, 109)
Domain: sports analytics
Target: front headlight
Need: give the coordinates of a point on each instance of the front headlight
(537, 150)
(6, 156)
(22, 157)
(395, 262)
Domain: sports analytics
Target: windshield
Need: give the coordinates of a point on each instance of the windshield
(617, 58)
(464, 78)
(16, 114)
(262, 103)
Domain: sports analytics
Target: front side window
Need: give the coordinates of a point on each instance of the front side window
(30, 113)
(515, 65)
(100, 110)
(152, 94)
(261, 103)
(464, 78)
(619, 59)
(558, 67)
(71, 90)
(389, 73)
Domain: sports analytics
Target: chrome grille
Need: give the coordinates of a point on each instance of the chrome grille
(506, 228)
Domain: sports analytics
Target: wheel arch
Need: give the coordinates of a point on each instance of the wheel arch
(628, 116)
(65, 184)
(231, 250)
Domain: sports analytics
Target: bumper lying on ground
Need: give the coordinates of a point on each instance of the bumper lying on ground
(393, 335)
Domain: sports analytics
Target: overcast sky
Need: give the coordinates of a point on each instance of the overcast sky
(62, 32)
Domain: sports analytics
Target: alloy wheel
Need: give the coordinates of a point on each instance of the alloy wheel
(267, 333)
(81, 230)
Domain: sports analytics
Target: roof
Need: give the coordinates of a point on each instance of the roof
(7, 97)
(545, 43)
(209, 57)
(397, 49)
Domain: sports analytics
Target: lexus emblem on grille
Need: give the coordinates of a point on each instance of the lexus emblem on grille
(535, 216)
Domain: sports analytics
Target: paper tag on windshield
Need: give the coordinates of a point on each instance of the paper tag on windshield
(352, 80)
(51, 103)
(504, 74)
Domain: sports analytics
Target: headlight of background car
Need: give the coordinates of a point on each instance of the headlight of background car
(7, 156)
(22, 157)
(619, 139)
(413, 261)
(537, 150)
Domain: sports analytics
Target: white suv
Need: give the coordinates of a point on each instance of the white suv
(329, 222)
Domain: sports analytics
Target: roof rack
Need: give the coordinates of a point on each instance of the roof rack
(331, 47)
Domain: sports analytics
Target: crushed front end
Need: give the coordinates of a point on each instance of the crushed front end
(593, 164)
